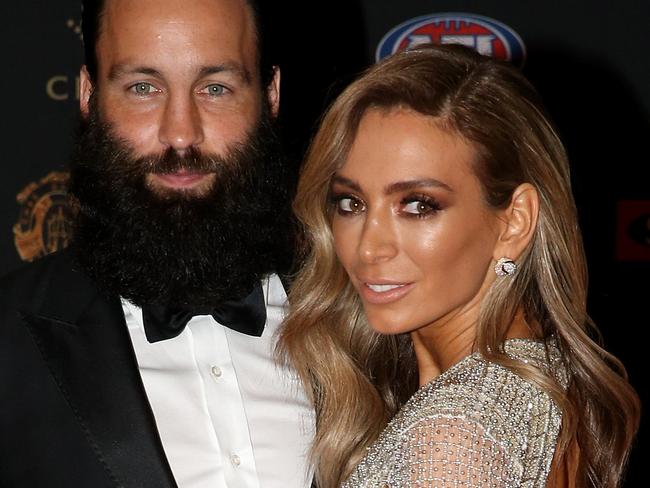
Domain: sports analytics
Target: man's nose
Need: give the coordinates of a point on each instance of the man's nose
(181, 126)
(378, 240)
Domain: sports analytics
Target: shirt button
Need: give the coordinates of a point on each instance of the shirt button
(235, 460)
(216, 371)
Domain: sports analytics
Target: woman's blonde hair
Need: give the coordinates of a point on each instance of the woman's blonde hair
(357, 378)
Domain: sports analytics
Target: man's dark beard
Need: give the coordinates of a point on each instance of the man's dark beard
(175, 248)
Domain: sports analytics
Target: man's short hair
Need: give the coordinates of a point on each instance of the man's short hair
(93, 10)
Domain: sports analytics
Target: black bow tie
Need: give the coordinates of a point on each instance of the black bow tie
(247, 315)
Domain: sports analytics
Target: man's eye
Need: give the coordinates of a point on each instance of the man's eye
(215, 90)
(143, 88)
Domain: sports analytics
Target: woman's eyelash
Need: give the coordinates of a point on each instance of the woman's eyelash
(346, 204)
(412, 206)
(420, 206)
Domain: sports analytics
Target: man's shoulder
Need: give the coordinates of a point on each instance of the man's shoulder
(22, 286)
(45, 267)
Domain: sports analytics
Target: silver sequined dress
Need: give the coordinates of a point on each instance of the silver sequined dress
(478, 424)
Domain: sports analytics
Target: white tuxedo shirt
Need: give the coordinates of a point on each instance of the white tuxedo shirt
(227, 414)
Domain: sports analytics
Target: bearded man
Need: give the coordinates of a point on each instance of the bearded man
(143, 355)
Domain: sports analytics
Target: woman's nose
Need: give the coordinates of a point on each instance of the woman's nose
(378, 241)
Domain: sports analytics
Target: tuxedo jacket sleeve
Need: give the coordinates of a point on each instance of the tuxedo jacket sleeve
(73, 411)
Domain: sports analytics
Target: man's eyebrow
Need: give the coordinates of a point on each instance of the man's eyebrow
(401, 186)
(234, 68)
(119, 70)
(342, 180)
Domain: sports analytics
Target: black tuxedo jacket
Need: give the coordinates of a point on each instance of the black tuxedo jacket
(73, 410)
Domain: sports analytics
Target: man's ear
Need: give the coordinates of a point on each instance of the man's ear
(85, 90)
(273, 92)
(520, 222)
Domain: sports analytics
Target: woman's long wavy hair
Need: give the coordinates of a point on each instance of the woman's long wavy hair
(358, 378)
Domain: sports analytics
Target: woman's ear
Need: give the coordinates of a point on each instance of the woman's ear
(520, 222)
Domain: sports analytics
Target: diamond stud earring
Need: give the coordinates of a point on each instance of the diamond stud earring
(505, 267)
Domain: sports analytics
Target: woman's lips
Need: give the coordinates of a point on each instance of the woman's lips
(383, 293)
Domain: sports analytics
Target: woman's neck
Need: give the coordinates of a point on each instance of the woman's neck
(437, 348)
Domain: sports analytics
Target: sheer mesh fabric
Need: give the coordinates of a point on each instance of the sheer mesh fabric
(452, 451)
(478, 424)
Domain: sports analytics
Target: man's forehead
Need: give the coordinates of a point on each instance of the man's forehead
(219, 10)
(221, 29)
(223, 17)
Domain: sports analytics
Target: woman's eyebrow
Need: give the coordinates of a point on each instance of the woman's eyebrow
(342, 180)
(401, 186)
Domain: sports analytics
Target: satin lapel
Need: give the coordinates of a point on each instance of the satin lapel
(84, 339)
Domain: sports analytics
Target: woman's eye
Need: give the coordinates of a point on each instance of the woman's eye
(143, 88)
(420, 207)
(348, 205)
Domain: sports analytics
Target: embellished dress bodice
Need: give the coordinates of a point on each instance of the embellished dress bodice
(477, 425)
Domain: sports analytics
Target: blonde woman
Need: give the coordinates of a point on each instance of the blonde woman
(439, 319)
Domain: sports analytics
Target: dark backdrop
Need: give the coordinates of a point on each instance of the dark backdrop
(587, 57)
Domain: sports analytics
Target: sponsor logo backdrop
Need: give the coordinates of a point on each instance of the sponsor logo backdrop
(587, 57)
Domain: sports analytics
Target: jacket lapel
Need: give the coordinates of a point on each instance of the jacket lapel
(84, 339)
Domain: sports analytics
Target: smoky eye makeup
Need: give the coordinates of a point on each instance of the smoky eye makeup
(345, 203)
(419, 205)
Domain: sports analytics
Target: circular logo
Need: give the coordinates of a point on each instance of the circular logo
(485, 35)
(44, 223)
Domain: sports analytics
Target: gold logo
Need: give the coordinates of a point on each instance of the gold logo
(45, 220)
